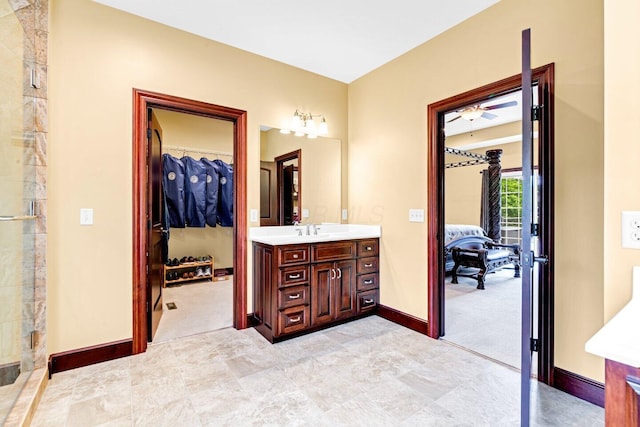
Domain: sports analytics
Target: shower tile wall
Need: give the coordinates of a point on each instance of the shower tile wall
(28, 295)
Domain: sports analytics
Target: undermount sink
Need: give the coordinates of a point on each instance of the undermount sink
(327, 232)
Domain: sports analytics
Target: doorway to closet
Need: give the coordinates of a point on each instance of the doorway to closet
(148, 267)
(197, 156)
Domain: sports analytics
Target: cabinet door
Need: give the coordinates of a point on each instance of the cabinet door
(322, 303)
(345, 289)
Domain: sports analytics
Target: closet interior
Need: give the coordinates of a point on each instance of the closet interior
(197, 189)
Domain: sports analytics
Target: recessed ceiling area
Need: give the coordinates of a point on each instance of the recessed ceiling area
(342, 40)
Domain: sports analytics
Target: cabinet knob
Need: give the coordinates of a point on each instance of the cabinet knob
(369, 265)
(339, 273)
(294, 276)
(295, 256)
(368, 281)
(368, 301)
(295, 319)
(368, 248)
(296, 296)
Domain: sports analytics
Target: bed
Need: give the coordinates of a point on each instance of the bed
(468, 246)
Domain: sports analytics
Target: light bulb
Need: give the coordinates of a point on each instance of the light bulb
(296, 123)
(310, 127)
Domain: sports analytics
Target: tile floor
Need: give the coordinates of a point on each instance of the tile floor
(369, 372)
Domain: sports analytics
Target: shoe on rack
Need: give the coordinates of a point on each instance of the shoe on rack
(199, 272)
(207, 271)
(185, 275)
(192, 274)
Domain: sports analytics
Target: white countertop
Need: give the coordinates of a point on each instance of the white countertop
(619, 338)
(287, 235)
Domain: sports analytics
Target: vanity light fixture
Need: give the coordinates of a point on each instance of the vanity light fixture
(305, 124)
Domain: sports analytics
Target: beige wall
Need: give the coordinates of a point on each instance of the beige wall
(621, 148)
(198, 133)
(97, 56)
(321, 171)
(388, 151)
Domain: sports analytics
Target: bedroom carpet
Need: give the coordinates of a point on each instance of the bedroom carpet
(485, 321)
(201, 307)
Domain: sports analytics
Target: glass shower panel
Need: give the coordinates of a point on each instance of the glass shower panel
(17, 234)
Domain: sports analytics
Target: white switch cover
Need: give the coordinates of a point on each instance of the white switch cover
(416, 215)
(631, 229)
(253, 215)
(86, 216)
(345, 214)
(305, 213)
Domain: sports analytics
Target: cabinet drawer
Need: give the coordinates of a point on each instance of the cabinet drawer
(367, 300)
(367, 281)
(294, 275)
(367, 265)
(293, 319)
(292, 296)
(333, 251)
(367, 247)
(293, 254)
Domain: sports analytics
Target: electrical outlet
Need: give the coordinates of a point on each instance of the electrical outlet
(631, 229)
(345, 215)
(253, 215)
(416, 215)
(305, 213)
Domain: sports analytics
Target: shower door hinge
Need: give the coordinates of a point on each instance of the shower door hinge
(33, 337)
(535, 344)
(536, 112)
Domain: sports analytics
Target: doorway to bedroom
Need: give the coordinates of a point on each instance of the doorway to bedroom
(475, 288)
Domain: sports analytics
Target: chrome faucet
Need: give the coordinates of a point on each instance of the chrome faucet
(314, 227)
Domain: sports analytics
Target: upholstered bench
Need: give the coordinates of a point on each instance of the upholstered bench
(489, 258)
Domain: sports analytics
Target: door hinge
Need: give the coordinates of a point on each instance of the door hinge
(536, 112)
(147, 306)
(535, 344)
(534, 229)
(149, 133)
(149, 224)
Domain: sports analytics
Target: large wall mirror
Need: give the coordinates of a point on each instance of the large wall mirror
(300, 179)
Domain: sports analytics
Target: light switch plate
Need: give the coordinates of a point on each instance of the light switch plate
(253, 215)
(631, 229)
(305, 213)
(416, 215)
(345, 214)
(86, 216)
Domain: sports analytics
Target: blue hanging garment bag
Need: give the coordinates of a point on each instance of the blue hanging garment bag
(194, 190)
(225, 193)
(173, 188)
(213, 181)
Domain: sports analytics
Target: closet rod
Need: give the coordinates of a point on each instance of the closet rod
(191, 150)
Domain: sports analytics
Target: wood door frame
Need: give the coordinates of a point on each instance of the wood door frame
(142, 100)
(435, 203)
(296, 154)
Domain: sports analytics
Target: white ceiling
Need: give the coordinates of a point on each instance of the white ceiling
(339, 39)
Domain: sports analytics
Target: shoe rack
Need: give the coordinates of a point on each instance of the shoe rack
(193, 270)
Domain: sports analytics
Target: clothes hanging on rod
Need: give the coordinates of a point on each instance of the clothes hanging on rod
(197, 192)
(225, 193)
(173, 188)
(194, 192)
(213, 181)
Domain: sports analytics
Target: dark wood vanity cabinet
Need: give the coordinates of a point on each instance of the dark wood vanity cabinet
(302, 288)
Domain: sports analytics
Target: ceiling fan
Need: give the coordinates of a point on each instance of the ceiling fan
(476, 111)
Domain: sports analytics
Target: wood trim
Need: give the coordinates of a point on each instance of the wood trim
(297, 154)
(86, 356)
(579, 386)
(404, 319)
(142, 100)
(435, 191)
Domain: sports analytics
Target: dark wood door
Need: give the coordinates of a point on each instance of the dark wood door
(322, 307)
(345, 289)
(154, 219)
(268, 194)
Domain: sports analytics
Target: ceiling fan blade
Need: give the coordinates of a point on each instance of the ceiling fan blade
(455, 118)
(503, 105)
(488, 116)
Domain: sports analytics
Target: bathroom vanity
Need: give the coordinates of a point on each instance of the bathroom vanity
(306, 282)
